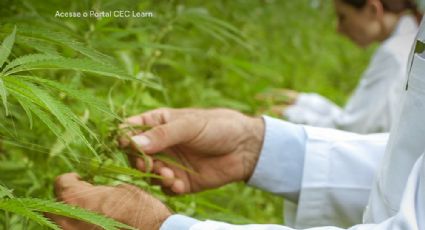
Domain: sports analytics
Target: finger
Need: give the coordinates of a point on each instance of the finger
(264, 96)
(124, 139)
(290, 96)
(133, 120)
(167, 175)
(138, 160)
(164, 136)
(150, 118)
(68, 180)
(157, 165)
(144, 165)
(157, 117)
(178, 187)
(167, 179)
(278, 110)
(170, 184)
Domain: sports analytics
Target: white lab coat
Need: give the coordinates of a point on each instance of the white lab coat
(338, 172)
(372, 107)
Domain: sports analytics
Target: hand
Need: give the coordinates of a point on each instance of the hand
(274, 110)
(221, 146)
(124, 203)
(279, 96)
(278, 101)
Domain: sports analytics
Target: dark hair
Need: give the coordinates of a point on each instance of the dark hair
(395, 6)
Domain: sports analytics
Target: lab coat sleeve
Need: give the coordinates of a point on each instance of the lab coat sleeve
(279, 168)
(410, 216)
(338, 172)
(368, 110)
(327, 172)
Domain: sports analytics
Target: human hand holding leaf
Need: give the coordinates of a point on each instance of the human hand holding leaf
(212, 147)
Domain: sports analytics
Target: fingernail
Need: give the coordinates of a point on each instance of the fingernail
(141, 141)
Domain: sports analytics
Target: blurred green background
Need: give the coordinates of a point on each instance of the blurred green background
(190, 54)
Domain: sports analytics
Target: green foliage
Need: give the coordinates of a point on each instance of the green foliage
(11, 205)
(5, 49)
(32, 209)
(5, 192)
(31, 92)
(66, 84)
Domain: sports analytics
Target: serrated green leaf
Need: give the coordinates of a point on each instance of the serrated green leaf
(38, 44)
(44, 62)
(14, 206)
(3, 95)
(66, 138)
(28, 92)
(5, 192)
(43, 116)
(27, 59)
(27, 111)
(69, 211)
(84, 65)
(77, 94)
(18, 88)
(65, 39)
(64, 115)
(6, 47)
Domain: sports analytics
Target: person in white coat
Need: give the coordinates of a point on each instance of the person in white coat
(373, 105)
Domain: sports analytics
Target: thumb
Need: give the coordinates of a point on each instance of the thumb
(66, 181)
(167, 135)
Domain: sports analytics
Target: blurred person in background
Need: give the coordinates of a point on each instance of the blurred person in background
(373, 105)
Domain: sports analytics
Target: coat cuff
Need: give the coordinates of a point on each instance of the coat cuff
(178, 222)
(280, 165)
